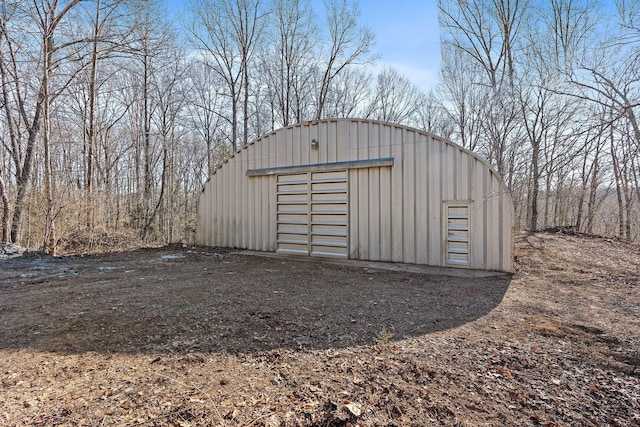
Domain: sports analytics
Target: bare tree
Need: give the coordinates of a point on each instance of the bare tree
(432, 116)
(206, 112)
(288, 62)
(4, 227)
(349, 94)
(107, 38)
(396, 98)
(229, 31)
(461, 93)
(348, 44)
(56, 62)
(486, 32)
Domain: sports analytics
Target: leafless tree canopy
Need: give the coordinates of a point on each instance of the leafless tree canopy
(115, 112)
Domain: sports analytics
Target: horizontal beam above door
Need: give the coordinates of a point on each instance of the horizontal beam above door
(323, 167)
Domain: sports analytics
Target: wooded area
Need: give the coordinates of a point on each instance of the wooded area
(114, 112)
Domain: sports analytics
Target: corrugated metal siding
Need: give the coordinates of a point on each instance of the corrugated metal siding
(395, 213)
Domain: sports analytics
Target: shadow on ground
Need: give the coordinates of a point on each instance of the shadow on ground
(176, 300)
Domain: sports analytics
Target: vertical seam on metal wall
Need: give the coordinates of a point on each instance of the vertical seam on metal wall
(501, 232)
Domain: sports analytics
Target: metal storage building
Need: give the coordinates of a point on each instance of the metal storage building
(363, 190)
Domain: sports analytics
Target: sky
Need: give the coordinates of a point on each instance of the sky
(407, 36)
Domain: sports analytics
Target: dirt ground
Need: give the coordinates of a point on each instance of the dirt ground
(191, 336)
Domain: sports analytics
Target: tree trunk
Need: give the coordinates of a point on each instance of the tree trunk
(5, 211)
(535, 186)
(616, 173)
(147, 151)
(245, 107)
(591, 207)
(23, 166)
(628, 199)
(234, 121)
(48, 244)
(91, 131)
(547, 200)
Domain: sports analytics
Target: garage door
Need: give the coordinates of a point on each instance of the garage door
(312, 214)
(457, 244)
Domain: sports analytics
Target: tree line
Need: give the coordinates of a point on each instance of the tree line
(115, 112)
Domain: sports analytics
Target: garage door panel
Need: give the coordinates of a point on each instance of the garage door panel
(293, 198)
(292, 218)
(328, 240)
(328, 230)
(329, 187)
(293, 188)
(293, 238)
(293, 228)
(329, 197)
(329, 219)
(285, 247)
(296, 177)
(330, 208)
(326, 176)
(328, 251)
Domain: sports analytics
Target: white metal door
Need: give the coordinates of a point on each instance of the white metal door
(457, 244)
(328, 209)
(312, 214)
(292, 213)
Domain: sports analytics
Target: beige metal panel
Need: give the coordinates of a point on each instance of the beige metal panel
(232, 204)
(370, 137)
(266, 148)
(225, 205)
(449, 181)
(296, 146)
(476, 211)
(243, 188)
(374, 209)
(435, 203)
(341, 132)
(507, 232)
(373, 140)
(382, 134)
(486, 216)
(252, 198)
(234, 208)
(407, 187)
(238, 216)
(397, 196)
(213, 233)
(360, 141)
(312, 155)
(466, 177)
(421, 195)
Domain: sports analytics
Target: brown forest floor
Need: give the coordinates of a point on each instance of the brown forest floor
(198, 336)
